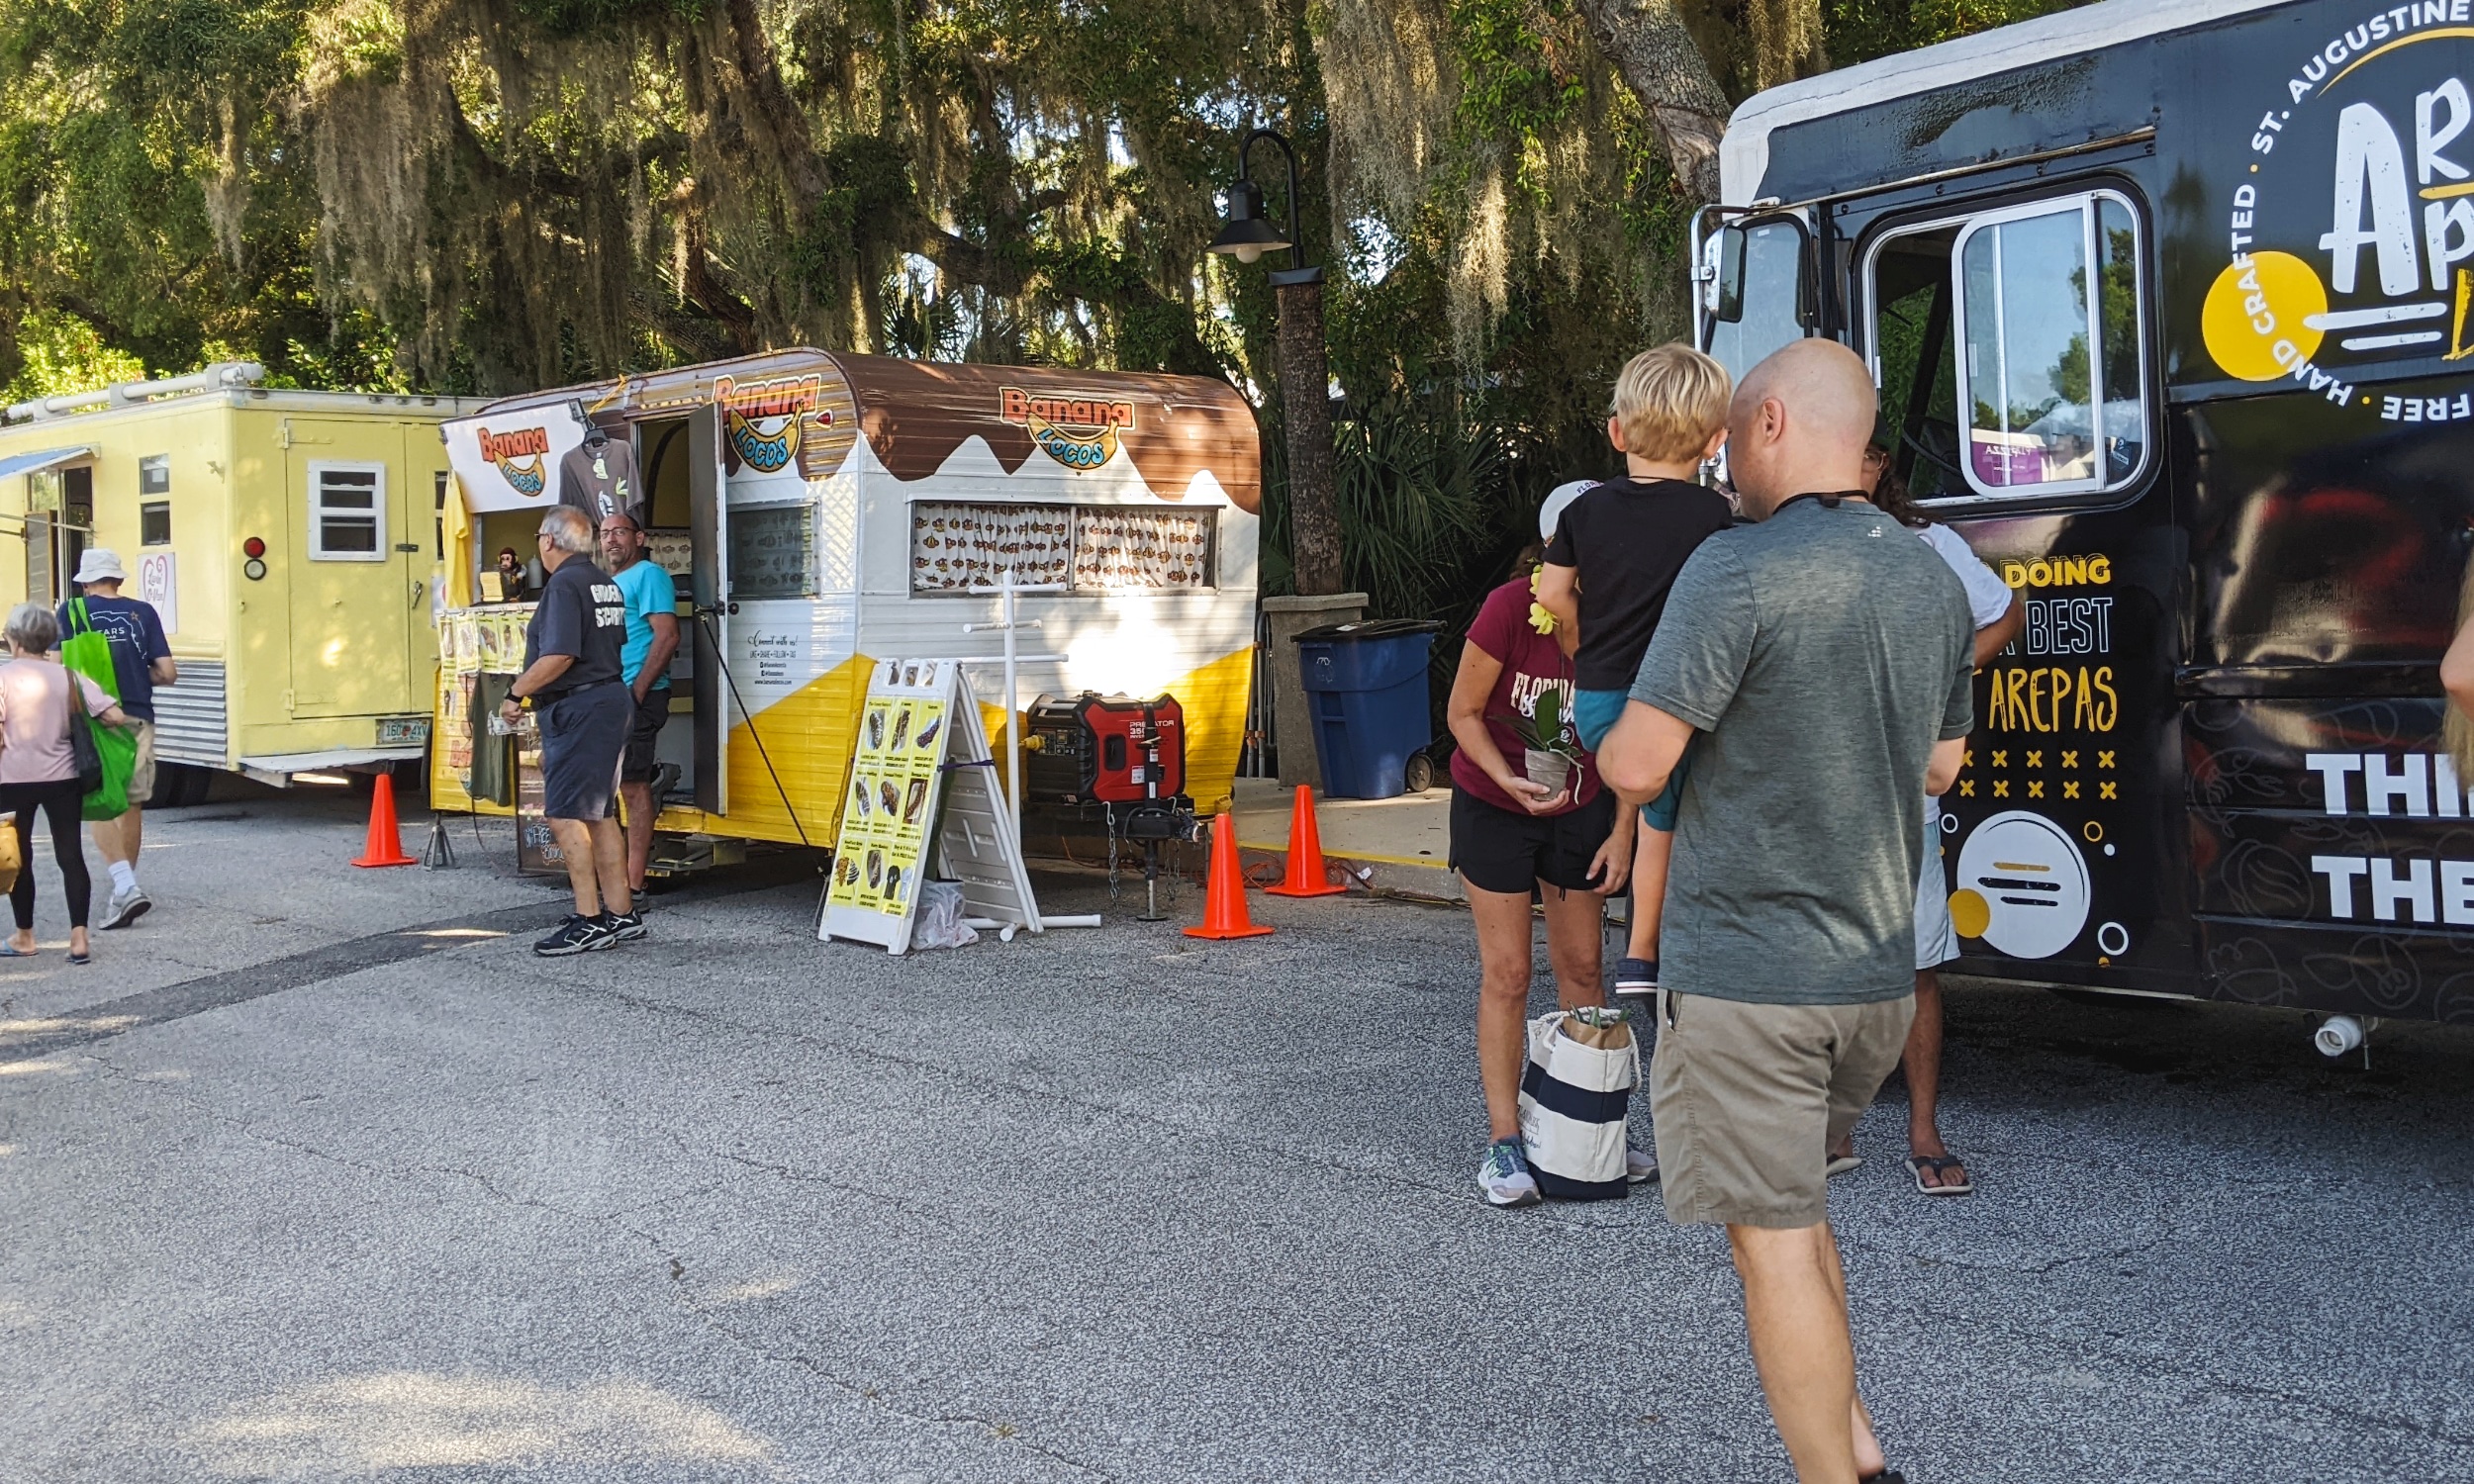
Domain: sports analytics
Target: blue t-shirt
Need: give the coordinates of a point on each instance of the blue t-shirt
(649, 591)
(135, 632)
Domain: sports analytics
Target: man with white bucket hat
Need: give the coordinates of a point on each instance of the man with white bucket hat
(142, 659)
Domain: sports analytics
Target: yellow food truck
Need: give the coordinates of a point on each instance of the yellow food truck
(822, 512)
(290, 540)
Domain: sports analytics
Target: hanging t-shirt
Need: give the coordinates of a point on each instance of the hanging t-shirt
(581, 613)
(1532, 663)
(1627, 538)
(600, 480)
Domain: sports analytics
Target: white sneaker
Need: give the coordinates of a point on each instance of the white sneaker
(1504, 1175)
(126, 907)
(1638, 1165)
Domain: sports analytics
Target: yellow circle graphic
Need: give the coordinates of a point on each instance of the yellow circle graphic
(1969, 912)
(2093, 831)
(2256, 320)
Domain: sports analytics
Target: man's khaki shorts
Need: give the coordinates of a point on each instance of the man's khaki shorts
(141, 776)
(1748, 1099)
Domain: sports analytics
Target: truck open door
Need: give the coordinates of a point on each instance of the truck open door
(710, 588)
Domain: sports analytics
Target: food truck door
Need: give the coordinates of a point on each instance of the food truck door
(709, 585)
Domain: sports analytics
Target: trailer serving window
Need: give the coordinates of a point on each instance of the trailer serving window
(348, 512)
(2001, 374)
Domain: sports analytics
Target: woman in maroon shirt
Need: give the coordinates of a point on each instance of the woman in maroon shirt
(1513, 838)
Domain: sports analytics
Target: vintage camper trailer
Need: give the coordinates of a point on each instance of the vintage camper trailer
(2167, 301)
(289, 539)
(823, 510)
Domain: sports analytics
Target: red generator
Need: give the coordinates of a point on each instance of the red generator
(1104, 749)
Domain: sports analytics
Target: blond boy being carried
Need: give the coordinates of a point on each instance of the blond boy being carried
(1614, 556)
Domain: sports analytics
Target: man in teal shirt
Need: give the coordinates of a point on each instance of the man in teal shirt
(644, 667)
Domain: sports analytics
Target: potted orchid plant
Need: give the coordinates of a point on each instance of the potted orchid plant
(1550, 754)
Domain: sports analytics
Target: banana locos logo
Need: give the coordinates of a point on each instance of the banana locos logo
(518, 456)
(1080, 433)
(761, 420)
(2351, 228)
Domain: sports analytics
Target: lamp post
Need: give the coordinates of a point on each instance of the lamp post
(1304, 371)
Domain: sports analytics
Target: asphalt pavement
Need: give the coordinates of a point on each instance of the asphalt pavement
(366, 1192)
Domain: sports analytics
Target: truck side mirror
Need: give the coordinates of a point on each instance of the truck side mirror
(1731, 242)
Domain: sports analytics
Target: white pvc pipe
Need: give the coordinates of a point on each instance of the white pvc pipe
(2339, 1034)
(1087, 919)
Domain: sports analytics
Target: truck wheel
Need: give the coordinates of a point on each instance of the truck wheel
(177, 785)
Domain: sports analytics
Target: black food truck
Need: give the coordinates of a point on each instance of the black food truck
(2167, 301)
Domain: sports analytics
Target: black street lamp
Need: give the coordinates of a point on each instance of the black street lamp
(1305, 369)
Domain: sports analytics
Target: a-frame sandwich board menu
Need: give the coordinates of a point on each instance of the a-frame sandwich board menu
(921, 755)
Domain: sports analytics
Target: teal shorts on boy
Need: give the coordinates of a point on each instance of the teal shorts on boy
(1595, 713)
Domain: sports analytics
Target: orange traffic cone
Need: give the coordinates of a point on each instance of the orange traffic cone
(385, 847)
(1225, 896)
(1306, 877)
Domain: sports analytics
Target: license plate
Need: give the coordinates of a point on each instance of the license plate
(403, 732)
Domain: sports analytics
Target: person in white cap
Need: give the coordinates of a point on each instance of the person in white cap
(142, 659)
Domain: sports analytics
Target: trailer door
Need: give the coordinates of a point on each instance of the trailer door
(709, 585)
(351, 585)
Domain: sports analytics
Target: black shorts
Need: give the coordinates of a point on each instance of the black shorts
(652, 713)
(582, 734)
(1503, 849)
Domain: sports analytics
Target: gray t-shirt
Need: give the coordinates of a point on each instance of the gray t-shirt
(1821, 653)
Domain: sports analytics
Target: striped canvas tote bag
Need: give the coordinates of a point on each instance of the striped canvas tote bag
(1575, 1097)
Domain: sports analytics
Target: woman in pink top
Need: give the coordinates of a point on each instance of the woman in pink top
(39, 771)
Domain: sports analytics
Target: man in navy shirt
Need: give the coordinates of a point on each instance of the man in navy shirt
(142, 659)
(571, 680)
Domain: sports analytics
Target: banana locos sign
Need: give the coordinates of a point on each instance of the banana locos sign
(510, 461)
(2349, 229)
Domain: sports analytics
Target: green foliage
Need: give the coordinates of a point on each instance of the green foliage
(1857, 30)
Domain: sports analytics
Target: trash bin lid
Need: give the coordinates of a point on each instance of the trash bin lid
(1371, 628)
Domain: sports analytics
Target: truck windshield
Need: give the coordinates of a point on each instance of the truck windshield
(1774, 298)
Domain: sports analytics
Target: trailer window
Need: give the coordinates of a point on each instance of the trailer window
(1982, 331)
(348, 512)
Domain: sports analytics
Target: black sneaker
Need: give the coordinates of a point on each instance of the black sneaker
(625, 927)
(577, 934)
(1635, 977)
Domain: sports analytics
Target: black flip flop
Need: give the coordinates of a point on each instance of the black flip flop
(1886, 1476)
(1940, 1165)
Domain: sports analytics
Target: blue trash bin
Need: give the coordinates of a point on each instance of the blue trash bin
(1366, 693)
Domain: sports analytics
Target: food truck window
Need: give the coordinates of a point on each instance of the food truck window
(348, 512)
(1756, 295)
(2048, 335)
(1092, 548)
(1991, 313)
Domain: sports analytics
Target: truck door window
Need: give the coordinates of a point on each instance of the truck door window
(1773, 309)
(1981, 340)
